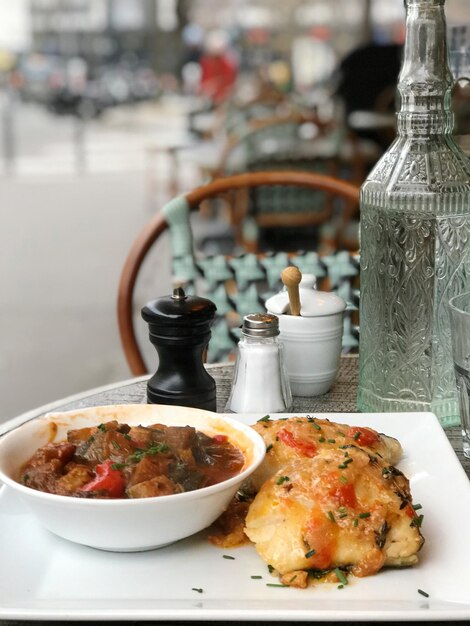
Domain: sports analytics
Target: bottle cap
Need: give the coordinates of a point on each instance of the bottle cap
(260, 325)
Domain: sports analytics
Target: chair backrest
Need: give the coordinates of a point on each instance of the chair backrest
(237, 284)
(278, 134)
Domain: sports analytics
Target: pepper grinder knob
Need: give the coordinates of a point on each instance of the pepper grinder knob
(178, 294)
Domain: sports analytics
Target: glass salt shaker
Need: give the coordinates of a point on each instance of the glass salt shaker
(260, 383)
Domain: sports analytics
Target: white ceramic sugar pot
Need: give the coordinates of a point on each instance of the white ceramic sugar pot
(312, 335)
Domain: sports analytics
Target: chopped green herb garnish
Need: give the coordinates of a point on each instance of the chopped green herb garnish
(318, 574)
(227, 556)
(322, 439)
(349, 460)
(282, 479)
(342, 512)
(315, 425)
(331, 516)
(343, 447)
(91, 439)
(356, 522)
(270, 447)
(118, 466)
(417, 521)
(293, 578)
(342, 466)
(343, 479)
(356, 436)
(270, 568)
(340, 587)
(156, 448)
(256, 577)
(102, 427)
(275, 585)
(423, 593)
(25, 478)
(116, 445)
(198, 589)
(128, 437)
(331, 440)
(341, 577)
(364, 515)
(417, 507)
(266, 418)
(340, 433)
(309, 554)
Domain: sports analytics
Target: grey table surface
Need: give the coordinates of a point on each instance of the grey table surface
(340, 399)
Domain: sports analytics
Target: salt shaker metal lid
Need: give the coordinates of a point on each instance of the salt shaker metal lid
(260, 325)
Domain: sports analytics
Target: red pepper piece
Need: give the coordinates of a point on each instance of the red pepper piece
(220, 438)
(305, 448)
(345, 495)
(107, 479)
(409, 510)
(363, 436)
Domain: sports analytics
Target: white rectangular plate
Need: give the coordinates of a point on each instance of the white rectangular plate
(44, 577)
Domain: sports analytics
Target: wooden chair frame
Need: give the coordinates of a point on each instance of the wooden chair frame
(158, 224)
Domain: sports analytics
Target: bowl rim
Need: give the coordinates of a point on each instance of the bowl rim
(259, 451)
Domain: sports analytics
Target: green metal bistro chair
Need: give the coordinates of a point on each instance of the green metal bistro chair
(238, 284)
(293, 142)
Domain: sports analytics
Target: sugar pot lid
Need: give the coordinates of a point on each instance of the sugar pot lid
(313, 303)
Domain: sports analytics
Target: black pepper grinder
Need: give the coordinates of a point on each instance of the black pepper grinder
(179, 328)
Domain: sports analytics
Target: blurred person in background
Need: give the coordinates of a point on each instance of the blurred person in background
(313, 59)
(219, 68)
(193, 41)
(367, 73)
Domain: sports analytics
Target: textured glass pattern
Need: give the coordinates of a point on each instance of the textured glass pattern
(415, 230)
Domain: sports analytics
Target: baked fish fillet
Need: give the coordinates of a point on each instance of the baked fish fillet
(305, 437)
(343, 508)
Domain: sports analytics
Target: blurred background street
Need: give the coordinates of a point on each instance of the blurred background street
(96, 98)
(68, 216)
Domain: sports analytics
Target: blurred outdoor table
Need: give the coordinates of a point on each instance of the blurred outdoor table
(340, 399)
(370, 120)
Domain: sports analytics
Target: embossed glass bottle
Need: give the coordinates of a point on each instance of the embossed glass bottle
(415, 236)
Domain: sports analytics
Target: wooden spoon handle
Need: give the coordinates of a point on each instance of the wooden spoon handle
(291, 278)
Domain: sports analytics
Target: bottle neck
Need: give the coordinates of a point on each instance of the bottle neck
(425, 80)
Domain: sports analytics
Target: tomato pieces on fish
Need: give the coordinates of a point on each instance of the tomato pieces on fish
(303, 447)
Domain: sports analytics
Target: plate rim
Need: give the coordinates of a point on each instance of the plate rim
(444, 610)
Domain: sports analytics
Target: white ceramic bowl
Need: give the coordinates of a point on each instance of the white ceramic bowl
(312, 351)
(127, 525)
(311, 340)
